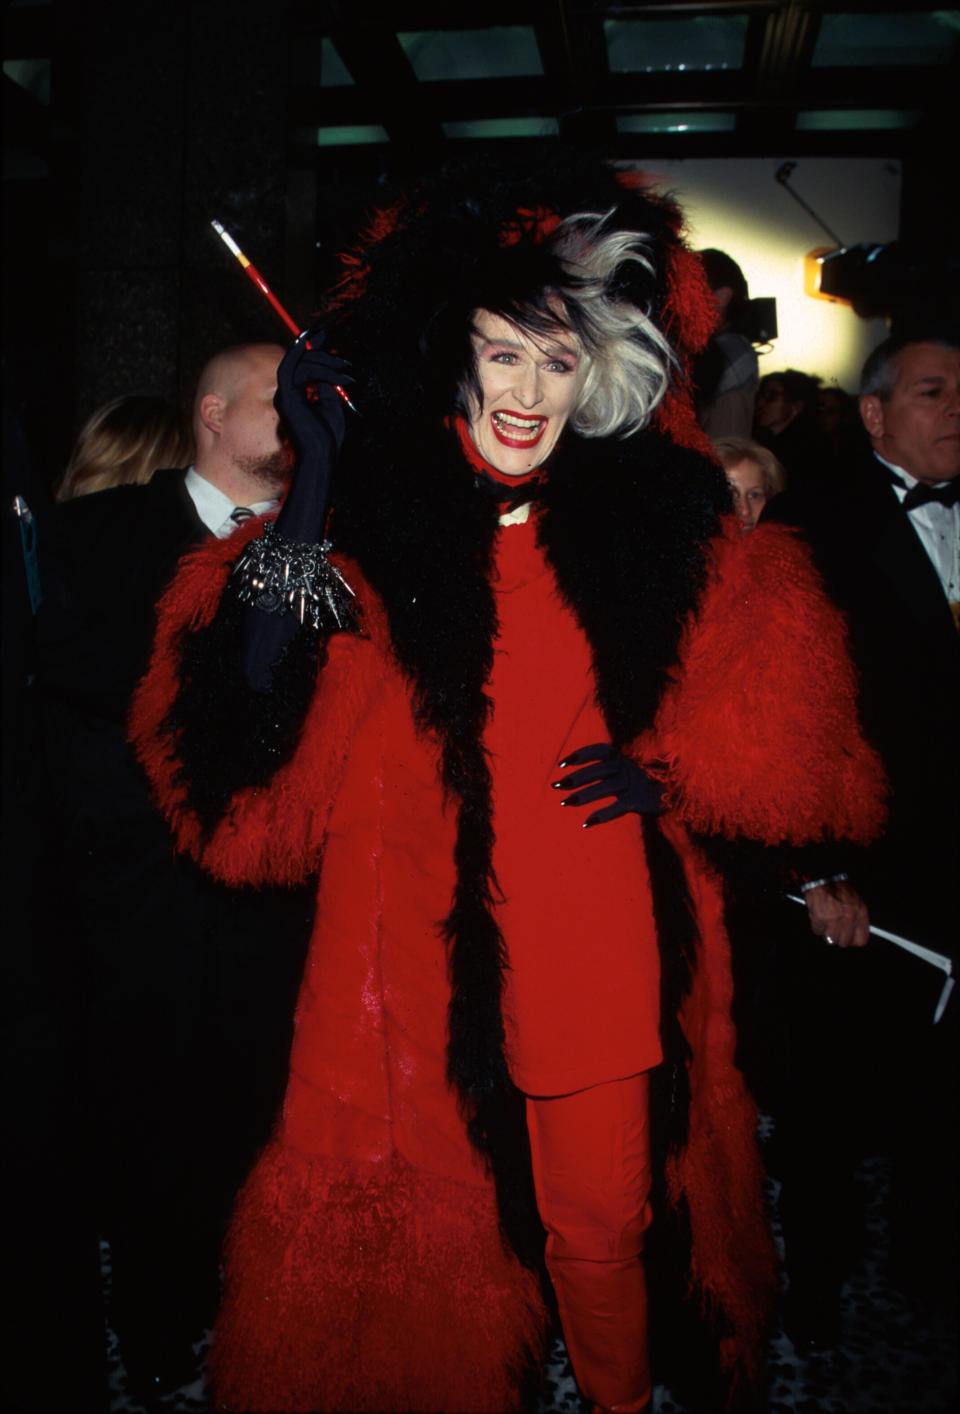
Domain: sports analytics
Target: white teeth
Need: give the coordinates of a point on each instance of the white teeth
(521, 424)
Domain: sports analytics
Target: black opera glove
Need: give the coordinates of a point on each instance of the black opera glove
(283, 576)
(605, 772)
(312, 413)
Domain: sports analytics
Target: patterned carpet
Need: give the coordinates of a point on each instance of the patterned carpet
(891, 1357)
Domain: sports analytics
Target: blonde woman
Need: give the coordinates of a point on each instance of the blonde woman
(753, 474)
(123, 443)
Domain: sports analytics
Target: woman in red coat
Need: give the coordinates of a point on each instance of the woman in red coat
(535, 602)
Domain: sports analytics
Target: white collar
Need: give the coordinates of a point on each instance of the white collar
(214, 507)
(908, 481)
(518, 516)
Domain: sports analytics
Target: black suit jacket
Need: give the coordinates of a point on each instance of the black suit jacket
(104, 560)
(188, 986)
(907, 650)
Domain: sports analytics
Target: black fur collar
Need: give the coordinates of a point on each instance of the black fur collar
(625, 527)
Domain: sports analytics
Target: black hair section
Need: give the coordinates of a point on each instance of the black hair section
(523, 286)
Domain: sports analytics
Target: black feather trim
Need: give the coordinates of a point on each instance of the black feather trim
(229, 736)
(679, 939)
(626, 528)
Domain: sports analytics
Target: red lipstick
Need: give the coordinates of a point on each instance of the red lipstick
(512, 437)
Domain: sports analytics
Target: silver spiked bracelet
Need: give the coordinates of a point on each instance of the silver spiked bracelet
(288, 577)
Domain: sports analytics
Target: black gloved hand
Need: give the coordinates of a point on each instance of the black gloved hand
(605, 772)
(312, 413)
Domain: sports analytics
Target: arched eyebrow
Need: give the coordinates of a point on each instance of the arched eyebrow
(554, 351)
(498, 343)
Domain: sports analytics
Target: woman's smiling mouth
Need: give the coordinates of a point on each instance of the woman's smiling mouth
(516, 429)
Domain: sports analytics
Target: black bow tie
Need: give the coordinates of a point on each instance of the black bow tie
(922, 495)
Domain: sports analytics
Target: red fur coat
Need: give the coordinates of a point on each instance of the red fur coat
(365, 1269)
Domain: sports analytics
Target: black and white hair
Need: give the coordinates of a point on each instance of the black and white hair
(587, 278)
(629, 358)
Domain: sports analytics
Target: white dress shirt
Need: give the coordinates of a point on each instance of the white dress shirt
(215, 508)
(938, 528)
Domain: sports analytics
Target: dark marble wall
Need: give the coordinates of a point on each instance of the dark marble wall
(164, 114)
(181, 118)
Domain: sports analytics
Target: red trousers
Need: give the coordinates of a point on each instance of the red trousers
(591, 1167)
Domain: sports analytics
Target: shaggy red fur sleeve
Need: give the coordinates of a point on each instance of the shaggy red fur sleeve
(267, 835)
(759, 728)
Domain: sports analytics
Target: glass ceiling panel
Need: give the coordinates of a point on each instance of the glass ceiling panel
(353, 135)
(908, 37)
(655, 46)
(503, 127)
(677, 123)
(501, 52)
(854, 119)
(333, 71)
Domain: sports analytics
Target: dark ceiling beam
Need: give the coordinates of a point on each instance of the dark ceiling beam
(368, 45)
(666, 146)
(574, 54)
(787, 46)
(565, 41)
(914, 87)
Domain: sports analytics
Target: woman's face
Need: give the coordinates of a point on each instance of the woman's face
(773, 409)
(745, 480)
(529, 390)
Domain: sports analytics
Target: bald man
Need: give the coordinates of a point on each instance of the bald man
(180, 992)
(236, 429)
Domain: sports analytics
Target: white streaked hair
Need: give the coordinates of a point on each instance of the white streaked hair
(629, 360)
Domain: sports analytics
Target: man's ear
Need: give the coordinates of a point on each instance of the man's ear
(211, 411)
(871, 414)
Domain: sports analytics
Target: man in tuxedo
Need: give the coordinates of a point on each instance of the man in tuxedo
(886, 542)
(181, 991)
(868, 1069)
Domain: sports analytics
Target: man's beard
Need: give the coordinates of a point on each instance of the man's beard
(271, 473)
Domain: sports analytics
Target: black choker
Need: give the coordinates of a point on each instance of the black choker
(508, 496)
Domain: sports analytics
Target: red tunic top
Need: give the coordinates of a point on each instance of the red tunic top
(581, 997)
